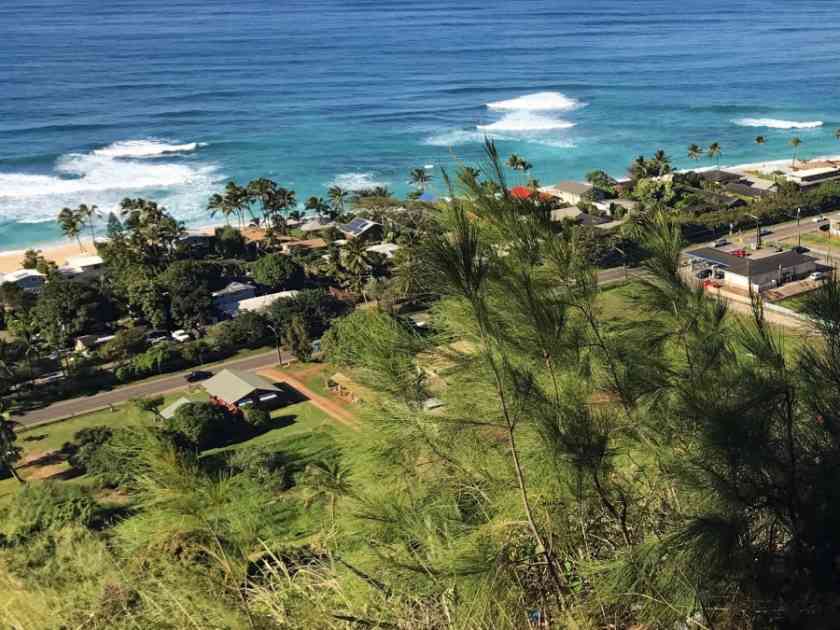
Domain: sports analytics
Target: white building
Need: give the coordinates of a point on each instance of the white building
(82, 265)
(569, 192)
(27, 279)
(264, 302)
(386, 249)
(763, 273)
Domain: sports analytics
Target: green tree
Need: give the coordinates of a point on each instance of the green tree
(190, 299)
(203, 425)
(71, 225)
(297, 339)
(694, 152)
(419, 178)
(714, 152)
(338, 198)
(10, 451)
(795, 142)
(63, 310)
(328, 482)
(150, 405)
(277, 271)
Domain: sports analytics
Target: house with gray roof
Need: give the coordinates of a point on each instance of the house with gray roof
(236, 389)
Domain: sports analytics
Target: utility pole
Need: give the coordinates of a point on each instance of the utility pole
(798, 231)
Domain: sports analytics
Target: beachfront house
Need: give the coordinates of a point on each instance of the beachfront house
(29, 280)
(82, 265)
(236, 389)
(311, 244)
(226, 301)
(569, 192)
(809, 177)
(364, 229)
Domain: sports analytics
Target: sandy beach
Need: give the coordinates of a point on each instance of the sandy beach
(58, 253)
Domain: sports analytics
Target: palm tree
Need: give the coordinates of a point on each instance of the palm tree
(837, 134)
(694, 152)
(662, 162)
(238, 200)
(355, 261)
(71, 225)
(87, 215)
(338, 197)
(714, 152)
(795, 142)
(264, 191)
(317, 205)
(218, 204)
(420, 178)
(326, 482)
(760, 140)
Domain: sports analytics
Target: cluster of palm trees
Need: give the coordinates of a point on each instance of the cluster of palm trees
(714, 151)
(73, 221)
(420, 179)
(656, 166)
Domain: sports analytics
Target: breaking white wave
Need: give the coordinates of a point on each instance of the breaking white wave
(457, 137)
(774, 123)
(105, 176)
(525, 121)
(356, 181)
(541, 101)
(146, 149)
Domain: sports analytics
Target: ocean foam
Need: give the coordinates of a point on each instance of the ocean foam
(356, 181)
(104, 177)
(457, 137)
(774, 123)
(146, 149)
(525, 121)
(541, 101)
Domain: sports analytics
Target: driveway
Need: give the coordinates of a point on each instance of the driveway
(165, 384)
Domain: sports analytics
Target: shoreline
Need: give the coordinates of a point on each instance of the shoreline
(59, 252)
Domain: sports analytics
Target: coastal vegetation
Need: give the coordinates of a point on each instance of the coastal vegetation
(531, 449)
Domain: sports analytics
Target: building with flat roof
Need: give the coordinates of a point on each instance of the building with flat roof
(762, 273)
(814, 176)
(227, 300)
(568, 191)
(263, 302)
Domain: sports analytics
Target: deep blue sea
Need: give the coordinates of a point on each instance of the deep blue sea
(170, 98)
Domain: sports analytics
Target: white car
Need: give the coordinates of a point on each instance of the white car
(818, 275)
(181, 335)
(819, 219)
(720, 243)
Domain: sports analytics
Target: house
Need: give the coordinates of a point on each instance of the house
(761, 273)
(316, 224)
(29, 280)
(197, 243)
(386, 249)
(85, 344)
(236, 389)
(814, 176)
(744, 189)
(617, 207)
(168, 412)
(82, 265)
(561, 214)
(570, 192)
(362, 229)
(718, 176)
(263, 302)
(227, 300)
(303, 245)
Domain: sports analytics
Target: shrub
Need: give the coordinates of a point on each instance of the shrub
(85, 445)
(49, 506)
(247, 330)
(203, 425)
(277, 271)
(257, 417)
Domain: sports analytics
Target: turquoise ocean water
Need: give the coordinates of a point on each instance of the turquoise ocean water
(169, 99)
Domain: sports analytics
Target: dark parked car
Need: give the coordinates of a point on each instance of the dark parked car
(704, 273)
(801, 250)
(198, 375)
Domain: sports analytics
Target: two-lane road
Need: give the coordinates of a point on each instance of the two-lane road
(155, 387)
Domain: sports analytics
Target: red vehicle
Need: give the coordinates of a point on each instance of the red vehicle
(740, 253)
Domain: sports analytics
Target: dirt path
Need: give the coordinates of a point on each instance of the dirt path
(331, 408)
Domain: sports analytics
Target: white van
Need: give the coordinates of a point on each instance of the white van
(720, 242)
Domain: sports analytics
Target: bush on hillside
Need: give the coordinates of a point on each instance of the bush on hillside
(257, 418)
(203, 425)
(277, 271)
(49, 506)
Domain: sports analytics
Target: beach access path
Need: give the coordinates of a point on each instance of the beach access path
(172, 382)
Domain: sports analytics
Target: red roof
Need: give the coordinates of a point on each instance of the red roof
(521, 192)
